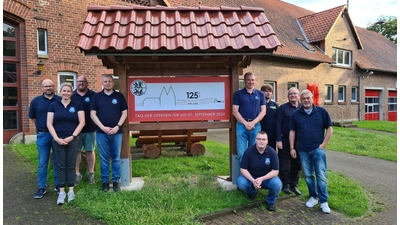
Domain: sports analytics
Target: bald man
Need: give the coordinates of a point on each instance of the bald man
(38, 114)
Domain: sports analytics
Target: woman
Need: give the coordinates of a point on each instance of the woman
(65, 120)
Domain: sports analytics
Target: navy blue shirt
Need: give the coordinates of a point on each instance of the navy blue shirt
(85, 101)
(39, 108)
(285, 111)
(249, 103)
(269, 120)
(259, 164)
(66, 119)
(310, 129)
(108, 108)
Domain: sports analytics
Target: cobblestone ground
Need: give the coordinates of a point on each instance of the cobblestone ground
(375, 175)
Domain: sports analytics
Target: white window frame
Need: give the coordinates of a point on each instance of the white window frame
(39, 40)
(292, 84)
(328, 92)
(116, 82)
(342, 93)
(69, 77)
(342, 57)
(354, 94)
(392, 104)
(273, 84)
(241, 84)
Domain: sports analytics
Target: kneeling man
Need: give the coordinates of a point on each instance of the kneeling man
(259, 169)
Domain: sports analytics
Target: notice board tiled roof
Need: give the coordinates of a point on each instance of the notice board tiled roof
(176, 29)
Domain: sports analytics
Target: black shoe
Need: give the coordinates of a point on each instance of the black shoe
(105, 187)
(286, 190)
(116, 186)
(296, 191)
(271, 207)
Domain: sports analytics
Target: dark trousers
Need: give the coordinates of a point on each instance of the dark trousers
(272, 143)
(66, 161)
(289, 168)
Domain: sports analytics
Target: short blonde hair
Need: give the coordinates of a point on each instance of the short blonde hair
(66, 84)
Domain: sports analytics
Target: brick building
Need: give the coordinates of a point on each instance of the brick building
(352, 71)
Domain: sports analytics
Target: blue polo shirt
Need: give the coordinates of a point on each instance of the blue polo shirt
(108, 108)
(39, 108)
(285, 111)
(249, 103)
(65, 118)
(269, 120)
(260, 164)
(310, 129)
(85, 101)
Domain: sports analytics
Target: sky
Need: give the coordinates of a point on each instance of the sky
(361, 12)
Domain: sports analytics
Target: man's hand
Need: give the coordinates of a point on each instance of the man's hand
(249, 125)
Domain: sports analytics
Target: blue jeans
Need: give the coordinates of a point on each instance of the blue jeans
(109, 146)
(314, 162)
(245, 138)
(274, 185)
(43, 142)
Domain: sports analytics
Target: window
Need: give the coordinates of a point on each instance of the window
(328, 93)
(241, 84)
(342, 57)
(68, 77)
(116, 83)
(371, 105)
(354, 94)
(342, 94)
(273, 84)
(42, 42)
(392, 104)
(292, 84)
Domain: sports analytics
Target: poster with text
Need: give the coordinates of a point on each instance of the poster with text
(179, 99)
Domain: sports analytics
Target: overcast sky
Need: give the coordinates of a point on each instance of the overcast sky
(361, 12)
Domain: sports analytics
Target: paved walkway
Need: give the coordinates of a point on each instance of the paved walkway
(377, 176)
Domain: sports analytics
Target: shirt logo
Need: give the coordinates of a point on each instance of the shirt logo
(87, 99)
(256, 97)
(267, 161)
(114, 101)
(72, 109)
(272, 107)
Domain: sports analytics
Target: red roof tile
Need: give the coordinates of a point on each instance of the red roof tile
(318, 25)
(379, 53)
(142, 28)
(283, 18)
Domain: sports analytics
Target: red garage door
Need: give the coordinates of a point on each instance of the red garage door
(371, 105)
(392, 106)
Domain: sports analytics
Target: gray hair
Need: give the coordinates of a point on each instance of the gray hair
(306, 91)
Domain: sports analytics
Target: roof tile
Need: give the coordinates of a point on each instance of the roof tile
(172, 28)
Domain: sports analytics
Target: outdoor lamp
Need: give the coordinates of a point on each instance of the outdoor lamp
(40, 66)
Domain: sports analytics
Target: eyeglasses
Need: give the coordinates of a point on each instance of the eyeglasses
(261, 139)
(82, 81)
(48, 86)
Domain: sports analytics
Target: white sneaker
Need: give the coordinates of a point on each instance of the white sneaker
(325, 208)
(311, 202)
(61, 198)
(71, 196)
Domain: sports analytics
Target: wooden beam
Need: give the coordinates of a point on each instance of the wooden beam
(179, 125)
(178, 72)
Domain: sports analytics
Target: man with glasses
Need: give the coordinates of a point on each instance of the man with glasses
(84, 95)
(313, 126)
(259, 169)
(289, 167)
(38, 114)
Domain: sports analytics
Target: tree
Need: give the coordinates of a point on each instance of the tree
(385, 25)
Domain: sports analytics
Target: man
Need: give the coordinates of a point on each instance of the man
(313, 126)
(268, 123)
(248, 108)
(289, 167)
(108, 111)
(84, 95)
(259, 169)
(38, 114)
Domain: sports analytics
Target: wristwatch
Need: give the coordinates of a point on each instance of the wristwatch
(73, 136)
(119, 125)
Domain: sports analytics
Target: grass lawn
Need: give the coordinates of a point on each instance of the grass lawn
(377, 125)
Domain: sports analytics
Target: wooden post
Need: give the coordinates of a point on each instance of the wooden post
(234, 167)
(126, 161)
